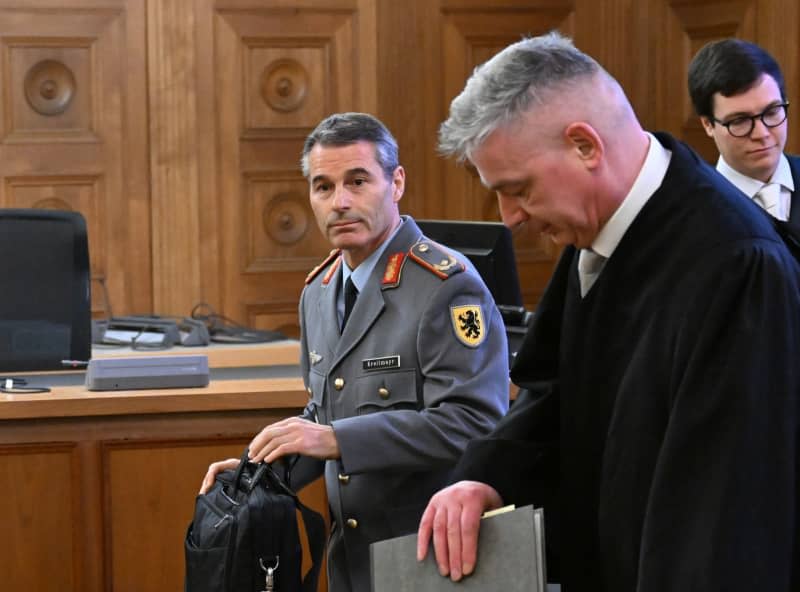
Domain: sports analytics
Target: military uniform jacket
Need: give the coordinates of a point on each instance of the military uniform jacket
(405, 387)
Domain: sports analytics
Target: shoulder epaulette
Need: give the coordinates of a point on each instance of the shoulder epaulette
(316, 271)
(435, 259)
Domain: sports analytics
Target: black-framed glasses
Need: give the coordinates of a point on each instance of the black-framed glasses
(741, 126)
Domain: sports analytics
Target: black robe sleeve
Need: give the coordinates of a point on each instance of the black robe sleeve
(722, 511)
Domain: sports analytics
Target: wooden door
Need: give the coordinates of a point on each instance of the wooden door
(279, 70)
(73, 131)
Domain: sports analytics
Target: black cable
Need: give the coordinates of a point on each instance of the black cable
(224, 329)
(15, 386)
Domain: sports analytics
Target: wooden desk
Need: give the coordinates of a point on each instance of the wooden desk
(97, 488)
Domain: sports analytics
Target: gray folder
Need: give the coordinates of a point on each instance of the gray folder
(510, 558)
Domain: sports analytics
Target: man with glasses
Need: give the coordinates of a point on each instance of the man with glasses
(737, 89)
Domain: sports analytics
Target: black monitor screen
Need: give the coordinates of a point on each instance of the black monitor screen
(44, 302)
(490, 248)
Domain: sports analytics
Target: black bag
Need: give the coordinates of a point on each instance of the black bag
(244, 536)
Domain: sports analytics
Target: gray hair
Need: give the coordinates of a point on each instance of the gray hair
(505, 87)
(344, 129)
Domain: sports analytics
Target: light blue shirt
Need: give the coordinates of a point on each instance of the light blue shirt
(361, 273)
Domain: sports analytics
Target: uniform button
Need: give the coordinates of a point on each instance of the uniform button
(383, 392)
(344, 479)
(310, 392)
(423, 248)
(338, 384)
(352, 523)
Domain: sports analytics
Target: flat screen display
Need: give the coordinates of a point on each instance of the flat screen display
(45, 296)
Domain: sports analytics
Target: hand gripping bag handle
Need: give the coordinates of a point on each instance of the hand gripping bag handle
(313, 521)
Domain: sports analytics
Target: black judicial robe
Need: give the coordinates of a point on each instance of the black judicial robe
(659, 425)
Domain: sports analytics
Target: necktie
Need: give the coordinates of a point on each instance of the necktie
(350, 295)
(769, 197)
(590, 264)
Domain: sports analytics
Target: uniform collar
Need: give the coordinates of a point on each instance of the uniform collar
(361, 274)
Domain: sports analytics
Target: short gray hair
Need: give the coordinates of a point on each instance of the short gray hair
(344, 129)
(506, 86)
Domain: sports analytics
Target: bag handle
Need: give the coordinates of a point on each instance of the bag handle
(237, 476)
(313, 521)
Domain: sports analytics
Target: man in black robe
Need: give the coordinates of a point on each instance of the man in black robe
(658, 425)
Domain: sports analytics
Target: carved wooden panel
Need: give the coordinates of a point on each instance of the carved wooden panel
(43, 81)
(471, 35)
(683, 26)
(41, 504)
(73, 131)
(285, 87)
(282, 230)
(687, 26)
(150, 488)
(279, 72)
(150, 492)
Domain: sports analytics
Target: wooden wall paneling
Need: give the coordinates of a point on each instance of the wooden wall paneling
(409, 99)
(777, 30)
(174, 156)
(279, 71)
(149, 500)
(471, 33)
(687, 26)
(41, 503)
(102, 502)
(91, 525)
(615, 33)
(150, 488)
(73, 101)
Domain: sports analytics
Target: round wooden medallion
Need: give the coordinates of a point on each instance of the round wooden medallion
(284, 85)
(49, 87)
(286, 219)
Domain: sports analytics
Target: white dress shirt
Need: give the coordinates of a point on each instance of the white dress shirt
(750, 187)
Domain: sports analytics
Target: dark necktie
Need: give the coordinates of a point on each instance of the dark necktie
(350, 295)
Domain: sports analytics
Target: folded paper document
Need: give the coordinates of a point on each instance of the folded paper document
(510, 558)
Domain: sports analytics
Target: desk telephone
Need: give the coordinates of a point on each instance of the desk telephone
(150, 331)
(153, 331)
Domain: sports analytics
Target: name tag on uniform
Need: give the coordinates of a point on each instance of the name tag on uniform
(384, 363)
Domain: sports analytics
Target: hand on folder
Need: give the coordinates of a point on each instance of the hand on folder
(452, 519)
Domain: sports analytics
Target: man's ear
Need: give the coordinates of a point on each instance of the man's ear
(586, 143)
(708, 126)
(398, 183)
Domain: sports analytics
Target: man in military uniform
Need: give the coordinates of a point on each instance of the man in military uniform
(403, 352)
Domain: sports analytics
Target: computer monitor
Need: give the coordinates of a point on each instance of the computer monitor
(45, 296)
(490, 248)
